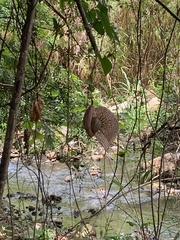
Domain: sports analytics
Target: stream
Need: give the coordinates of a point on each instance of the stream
(84, 192)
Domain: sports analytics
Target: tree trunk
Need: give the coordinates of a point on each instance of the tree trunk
(16, 94)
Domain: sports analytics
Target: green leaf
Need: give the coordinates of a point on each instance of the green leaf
(118, 183)
(85, 5)
(56, 25)
(49, 143)
(28, 125)
(106, 89)
(121, 153)
(48, 130)
(39, 136)
(145, 176)
(105, 21)
(131, 223)
(98, 26)
(8, 59)
(106, 65)
(78, 109)
(91, 16)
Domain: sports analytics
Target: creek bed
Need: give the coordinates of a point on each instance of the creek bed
(85, 195)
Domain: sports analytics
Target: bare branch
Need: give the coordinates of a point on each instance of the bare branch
(87, 27)
(54, 10)
(168, 10)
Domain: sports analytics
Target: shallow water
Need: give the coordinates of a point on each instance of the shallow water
(87, 194)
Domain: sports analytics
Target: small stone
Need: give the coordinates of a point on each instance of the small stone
(41, 214)
(54, 198)
(114, 148)
(95, 171)
(31, 197)
(62, 238)
(33, 213)
(58, 223)
(76, 213)
(69, 178)
(87, 231)
(97, 158)
(153, 104)
(31, 208)
(51, 155)
(38, 225)
(14, 155)
(92, 211)
(10, 195)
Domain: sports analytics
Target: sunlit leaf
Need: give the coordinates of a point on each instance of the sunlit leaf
(78, 109)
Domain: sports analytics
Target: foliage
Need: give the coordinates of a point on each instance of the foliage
(134, 51)
(41, 234)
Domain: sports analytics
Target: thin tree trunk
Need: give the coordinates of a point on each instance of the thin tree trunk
(16, 94)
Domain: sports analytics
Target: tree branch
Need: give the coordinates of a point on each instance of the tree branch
(54, 10)
(168, 10)
(87, 27)
(16, 94)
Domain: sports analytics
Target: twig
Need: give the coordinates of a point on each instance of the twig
(87, 27)
(168, 10)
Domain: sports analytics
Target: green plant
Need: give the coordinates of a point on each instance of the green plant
(42, 233)
(120, 237)
(68, 71)
(3, 233)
